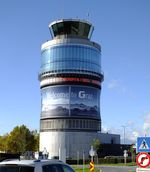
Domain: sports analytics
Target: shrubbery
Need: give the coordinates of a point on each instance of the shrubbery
(74, 161)
(112, 160)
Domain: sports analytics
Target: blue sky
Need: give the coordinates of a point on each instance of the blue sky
(122, 28)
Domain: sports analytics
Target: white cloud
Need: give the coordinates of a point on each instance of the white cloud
(132, 129)
(146, 124)
(135, 131)
(113, 84)
(135, 135)
(117, 85)
(131, 136)
(110, 130)
(130, 123)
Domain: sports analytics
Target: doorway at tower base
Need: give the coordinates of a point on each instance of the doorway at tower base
(75, 143)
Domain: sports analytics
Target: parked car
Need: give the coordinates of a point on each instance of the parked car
(34, 166)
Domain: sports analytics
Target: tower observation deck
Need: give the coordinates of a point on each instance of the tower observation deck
(70, 81)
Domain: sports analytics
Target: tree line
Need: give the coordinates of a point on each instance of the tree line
(20, 140)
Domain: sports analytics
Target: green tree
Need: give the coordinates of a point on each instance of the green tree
(133, 152)
(96, 144)
(21, 139)
(3, 143)
(36, 138)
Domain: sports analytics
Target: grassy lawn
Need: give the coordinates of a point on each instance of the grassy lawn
(84, 170)
(86, 167)
(120, 164)
(79, 169)
(117, 164)
(88, 170)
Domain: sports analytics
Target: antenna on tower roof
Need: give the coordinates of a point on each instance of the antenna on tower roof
(88, 16)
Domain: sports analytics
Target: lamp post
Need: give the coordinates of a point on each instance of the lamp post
(124, 128)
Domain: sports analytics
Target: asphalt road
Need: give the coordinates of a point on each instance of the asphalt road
(116, 169)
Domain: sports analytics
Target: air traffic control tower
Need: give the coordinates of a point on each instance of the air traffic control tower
(70, 81)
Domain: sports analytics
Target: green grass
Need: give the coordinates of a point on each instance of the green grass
(120, 164)
(86, 167)
(79, 169)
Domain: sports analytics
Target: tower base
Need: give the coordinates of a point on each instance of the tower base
(75, 143)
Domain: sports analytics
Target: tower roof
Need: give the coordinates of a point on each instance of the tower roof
(71, 27)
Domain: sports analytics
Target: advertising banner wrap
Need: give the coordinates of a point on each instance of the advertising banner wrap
(63, 101)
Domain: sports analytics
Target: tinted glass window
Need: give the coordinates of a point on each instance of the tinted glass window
(27, 169)
(74, 57)
(9, 169)
(55, 29)
(86, 30)
(52, 168)
(67, 169)
(16, 169)
(71, 28)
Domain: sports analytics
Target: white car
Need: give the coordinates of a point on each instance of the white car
(34, 166)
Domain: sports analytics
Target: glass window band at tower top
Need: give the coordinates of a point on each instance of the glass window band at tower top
(74, 27)
(70, 66)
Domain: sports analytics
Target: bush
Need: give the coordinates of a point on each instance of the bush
(74, 161)
(108, 160)
(113, 160)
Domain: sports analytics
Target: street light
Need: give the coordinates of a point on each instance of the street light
(124, 127)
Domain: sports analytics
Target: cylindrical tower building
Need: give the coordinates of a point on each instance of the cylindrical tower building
(70, 81)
